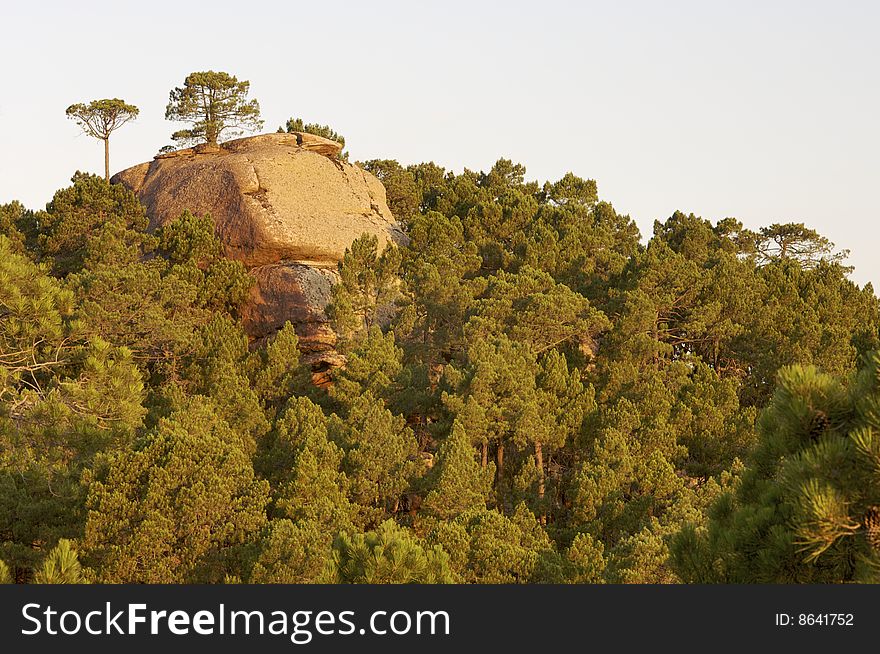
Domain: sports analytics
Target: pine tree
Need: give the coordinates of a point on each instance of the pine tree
(61, 566)
(795, 242)
(179, 508)
(531, 308)
(196, 256)
(457, 481)
(100, 118)
(62, 400)
(381, 454)
(216, 367)
(585, 559)
(488, 547)
(371, 367)
(79, 213)
(401, 191)
(295, 553)
(279, 371)
(33, 320)
(804, 510)
(437, 268)
(325, 131)
(215, 104)
(389, 555)
(367, 288)
(304, 468)
(14, 219)
(494, 395)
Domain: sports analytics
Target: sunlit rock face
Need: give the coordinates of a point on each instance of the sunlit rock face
(286, 207)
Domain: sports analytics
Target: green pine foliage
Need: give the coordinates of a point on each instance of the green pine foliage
(89, 220)
(305, 469)
(373, 366)
(381, 454)
(295, 553)
(276, 370)
(806, 507)
(529, 394)
(61, 566)
(585, 560)
(367, 289)
(389, 555)
(215, 104)
(489, 547)
(5, 574)
(179, 507)
(457, 482)
(13, 225)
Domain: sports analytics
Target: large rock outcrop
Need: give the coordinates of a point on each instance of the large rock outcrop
(282, 204)
(273, 197)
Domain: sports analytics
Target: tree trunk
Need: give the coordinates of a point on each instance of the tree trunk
(539, 461)
(499, 457)
(485, 460)
(716, 353)
(107, 160)
(656, 336)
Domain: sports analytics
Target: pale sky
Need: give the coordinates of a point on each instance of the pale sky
(766, 111)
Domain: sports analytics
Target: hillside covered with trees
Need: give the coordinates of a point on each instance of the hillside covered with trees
(533, 393)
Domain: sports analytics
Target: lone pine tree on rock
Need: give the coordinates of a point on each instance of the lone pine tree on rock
(100, 118)
(214, 103)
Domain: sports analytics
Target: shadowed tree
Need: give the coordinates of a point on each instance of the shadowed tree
(401, 190)
(367, 288)
(100, 118)
(214, 103)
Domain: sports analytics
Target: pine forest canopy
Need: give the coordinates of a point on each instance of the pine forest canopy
(530, 394)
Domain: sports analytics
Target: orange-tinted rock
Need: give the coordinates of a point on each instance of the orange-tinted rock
(273, 197)
(290, 292)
